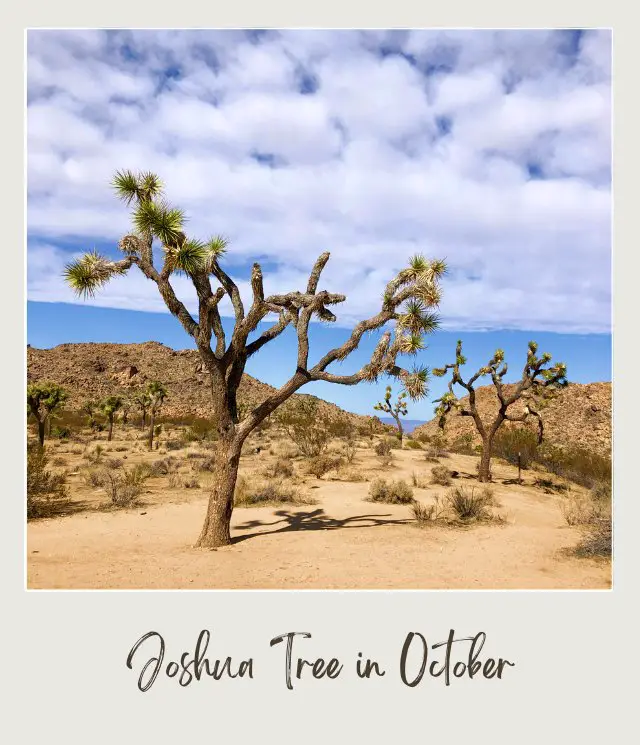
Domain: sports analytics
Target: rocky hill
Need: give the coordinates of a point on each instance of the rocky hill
(580, 415)
(94, 370)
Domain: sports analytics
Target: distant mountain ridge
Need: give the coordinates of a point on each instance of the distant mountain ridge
(94, 370)
(580, 416)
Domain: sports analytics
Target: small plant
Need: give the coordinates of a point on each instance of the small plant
(463, 444)
(549, 486)
(597, 540)
(250, 493)
(390, 492)
(280, 468)
(441, 475)
(44, 488)
(163, 467)
(93, 478)
(428, 514)
(413, 444)
(468, 505)
(322, 464)
(349, 474)
(350, 449)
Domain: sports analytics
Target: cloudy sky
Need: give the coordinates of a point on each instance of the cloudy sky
(491, 149)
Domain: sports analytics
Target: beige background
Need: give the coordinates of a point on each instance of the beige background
(63, 673)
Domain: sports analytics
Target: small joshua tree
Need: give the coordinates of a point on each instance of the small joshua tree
(536, 383)
(398, 409)
(109, 407)
(156, 394)
(406, 302)
(90, 408)
(125, 410)
(43, 399)
(143, 403)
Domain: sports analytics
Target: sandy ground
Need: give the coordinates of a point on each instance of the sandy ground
(342, 542)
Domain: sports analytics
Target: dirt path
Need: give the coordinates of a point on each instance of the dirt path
(341, 542)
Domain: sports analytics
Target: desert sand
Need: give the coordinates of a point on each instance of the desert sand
(341, 542)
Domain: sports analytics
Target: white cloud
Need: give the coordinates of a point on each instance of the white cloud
(489, 148)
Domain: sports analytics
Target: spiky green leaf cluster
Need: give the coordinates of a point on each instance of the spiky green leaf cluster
(416, 382)
(86, 275)
(161, 221)
(45, 397)
(141, 186)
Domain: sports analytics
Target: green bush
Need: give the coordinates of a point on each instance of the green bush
(413, 444)
(576, 464)
(464, 444)
(511, 442)
(322, 464)
(468, 505)
(390, 492)
(44, 488)
(441, 475)
(249, 493)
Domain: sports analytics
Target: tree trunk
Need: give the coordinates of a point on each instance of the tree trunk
(153, 421)
(110, 428)
(216, 530)
(144, 419)
(400, 430)
(41, 432)
(484, 471)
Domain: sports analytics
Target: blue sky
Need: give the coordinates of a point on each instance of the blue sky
(491, 149)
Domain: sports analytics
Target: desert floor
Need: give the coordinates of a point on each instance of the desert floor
(341, 542)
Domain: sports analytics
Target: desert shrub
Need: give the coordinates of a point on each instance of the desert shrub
(513, 441)
(59, 461)
(581, 510)
(463, 444)
(390, 492)
(61, 432)
(441, 475)
(413, 444)
(174, 445)
(280, 468)
(468, 505)
(178, 481)
(250, 492)
(549, 486)
(94, 477)
(309, 428)
(418, 480)
(383, 447)
(598, 538)
(322, 464)
(601, 490)
(121, 490)
(350, 449)
(120, 449)
(115, 463)
(349, 474)
(576, 464)
(428, 514)
(44, 488)
(163, 466)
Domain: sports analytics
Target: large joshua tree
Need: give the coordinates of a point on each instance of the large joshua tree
(43, 399)
(396, 410)
(537, 382)
(156, 394)
(407, 302)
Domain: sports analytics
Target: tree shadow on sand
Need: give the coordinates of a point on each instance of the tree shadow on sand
(313, 520)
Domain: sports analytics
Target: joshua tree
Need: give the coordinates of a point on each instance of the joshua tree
(89, 408)
(43, 399)
(407, 301)
(537, 383)
(142, 402)
(396, 410)
(127, 405)
(109, 407)
(156, 393)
